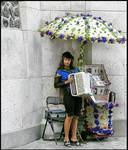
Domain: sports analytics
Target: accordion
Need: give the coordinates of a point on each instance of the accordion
(81, 84)
(85, 83)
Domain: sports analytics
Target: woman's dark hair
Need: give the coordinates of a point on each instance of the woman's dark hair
(67, 55)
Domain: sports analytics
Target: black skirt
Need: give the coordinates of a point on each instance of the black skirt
(72, 104)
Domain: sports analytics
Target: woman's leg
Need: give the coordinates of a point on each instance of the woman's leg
(69, 107)
(77, 109)
(67, 124)
(74, 128)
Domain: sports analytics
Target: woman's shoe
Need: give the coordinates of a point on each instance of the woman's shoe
(67, 143)
(75, 143)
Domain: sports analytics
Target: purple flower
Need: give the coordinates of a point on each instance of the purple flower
(93, 39)
(104, 39)
(62, 19)
(80, 38)
(106, 105)
(123, 40)
(99, 40)
(110, 122)
(109, 24)
(61, 36)
(88, 14)
(103, 21)
(68, 37)
(96, 121)
(110, 106)
(99, 17)
(111, 40)
(109, 125)
(50, 33)
(84, 17)
(94, 17)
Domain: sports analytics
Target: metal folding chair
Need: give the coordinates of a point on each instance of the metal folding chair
(55, 113)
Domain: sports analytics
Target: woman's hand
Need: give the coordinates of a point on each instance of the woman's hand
(70, 78)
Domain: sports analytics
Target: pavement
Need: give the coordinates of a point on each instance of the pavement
(109, 143)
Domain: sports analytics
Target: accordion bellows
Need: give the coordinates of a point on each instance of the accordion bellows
(80, 84)
(93, 81)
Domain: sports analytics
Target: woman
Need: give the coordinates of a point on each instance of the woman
(72, 104)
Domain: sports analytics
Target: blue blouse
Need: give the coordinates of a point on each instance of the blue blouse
(64, 73)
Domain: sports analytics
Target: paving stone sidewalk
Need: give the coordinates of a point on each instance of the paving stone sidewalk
(110, 143)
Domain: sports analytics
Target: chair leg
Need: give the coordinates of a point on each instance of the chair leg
(61, 132)
(44, 128)
(51, 123)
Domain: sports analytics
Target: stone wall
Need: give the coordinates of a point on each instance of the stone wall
(22, 82)
(28, 66)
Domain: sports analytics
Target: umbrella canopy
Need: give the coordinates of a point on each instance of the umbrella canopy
(84, 28)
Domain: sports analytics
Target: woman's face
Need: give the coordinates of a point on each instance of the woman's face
(67, 62)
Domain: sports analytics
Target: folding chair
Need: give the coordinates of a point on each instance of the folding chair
(55, 113)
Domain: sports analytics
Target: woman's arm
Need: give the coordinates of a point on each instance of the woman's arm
(58, 83)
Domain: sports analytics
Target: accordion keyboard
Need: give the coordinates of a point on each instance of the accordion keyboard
(73, 87)
(80, 83)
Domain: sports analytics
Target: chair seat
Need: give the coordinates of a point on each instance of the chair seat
(55, 112)
(56, 107)
(58, 111)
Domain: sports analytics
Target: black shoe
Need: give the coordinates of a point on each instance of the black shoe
(75, 143)
(67, 143)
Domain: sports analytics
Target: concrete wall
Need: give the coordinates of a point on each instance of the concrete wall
(29, 63)
(28, 66)
(22, 82)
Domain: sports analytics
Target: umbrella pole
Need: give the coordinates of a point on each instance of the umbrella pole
(81, 57)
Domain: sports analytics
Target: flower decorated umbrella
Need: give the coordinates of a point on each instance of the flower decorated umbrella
(84, 28)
